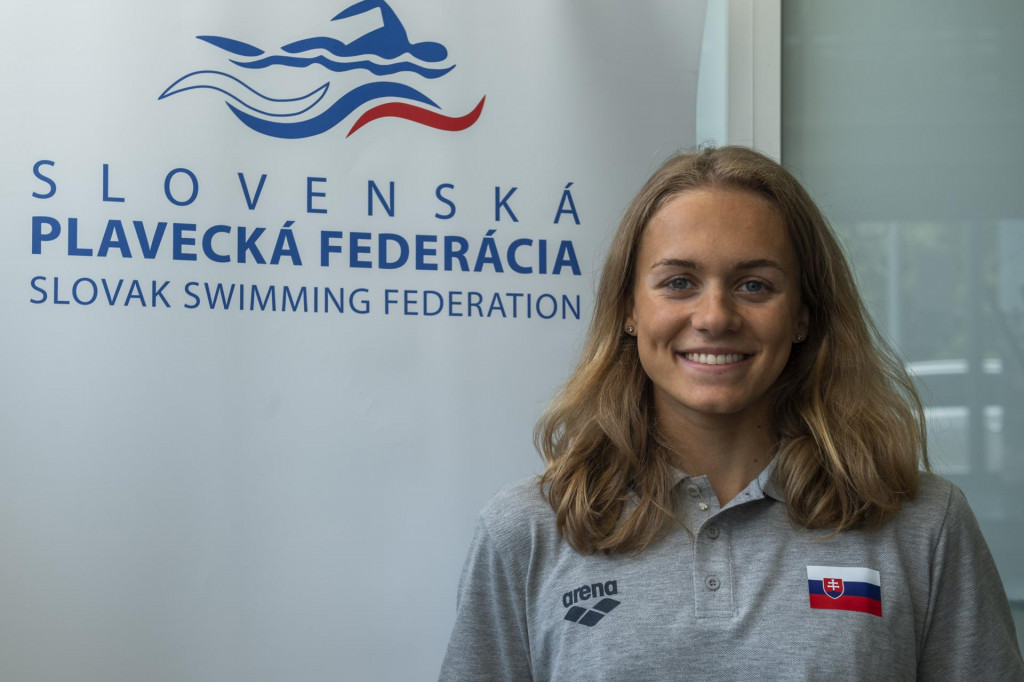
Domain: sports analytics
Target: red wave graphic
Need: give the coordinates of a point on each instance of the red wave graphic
(422, 116)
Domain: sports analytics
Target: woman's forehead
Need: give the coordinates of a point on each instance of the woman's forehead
(706, 227)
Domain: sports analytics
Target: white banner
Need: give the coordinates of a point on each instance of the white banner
(284, 290)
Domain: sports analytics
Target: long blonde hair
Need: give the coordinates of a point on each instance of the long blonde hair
(849, 422)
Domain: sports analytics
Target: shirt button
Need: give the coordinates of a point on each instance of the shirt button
(693, 492)
(712, 582)
(713, 532)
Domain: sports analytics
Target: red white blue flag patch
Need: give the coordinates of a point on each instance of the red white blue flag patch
(845, 588)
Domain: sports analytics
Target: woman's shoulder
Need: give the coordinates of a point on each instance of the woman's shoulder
(939, 507)
(936, 495)
(934, 491)
(964, 619)
(518, 515)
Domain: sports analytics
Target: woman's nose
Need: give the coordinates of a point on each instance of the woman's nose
(716, 313)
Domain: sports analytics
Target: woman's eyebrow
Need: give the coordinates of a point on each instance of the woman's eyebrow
(676, 263)
(752, 264)
(759, 263)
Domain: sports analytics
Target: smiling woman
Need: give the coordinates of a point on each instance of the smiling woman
(716, 308)
(739, 454)
(835, 410)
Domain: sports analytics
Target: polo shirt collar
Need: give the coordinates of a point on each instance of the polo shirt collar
(769, 482)
(766, 482)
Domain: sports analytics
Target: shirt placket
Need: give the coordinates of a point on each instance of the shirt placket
(712, 572)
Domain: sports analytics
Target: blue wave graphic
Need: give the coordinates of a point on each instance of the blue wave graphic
(376, 69)
(323, 122)
(364, 46)
(233, 46)
(246, 95)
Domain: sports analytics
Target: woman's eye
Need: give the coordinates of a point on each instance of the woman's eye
(680, 283)
(754, 287)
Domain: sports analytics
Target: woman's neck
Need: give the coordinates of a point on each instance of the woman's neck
(731, 450)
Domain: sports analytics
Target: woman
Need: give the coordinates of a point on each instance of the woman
(733, 488)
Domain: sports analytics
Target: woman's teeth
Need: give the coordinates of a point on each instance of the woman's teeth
(706, 359)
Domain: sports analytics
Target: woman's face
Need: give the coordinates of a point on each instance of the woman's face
(716, 303)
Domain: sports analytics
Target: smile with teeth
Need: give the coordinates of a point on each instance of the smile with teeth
(709, 359)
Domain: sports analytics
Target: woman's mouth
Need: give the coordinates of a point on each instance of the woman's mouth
(715, 359)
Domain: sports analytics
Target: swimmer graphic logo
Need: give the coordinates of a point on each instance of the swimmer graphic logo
(367, 36)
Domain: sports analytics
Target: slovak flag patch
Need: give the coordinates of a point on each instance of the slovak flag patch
(846, 588)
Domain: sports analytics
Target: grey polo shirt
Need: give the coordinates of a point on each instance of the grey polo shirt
(732, 598)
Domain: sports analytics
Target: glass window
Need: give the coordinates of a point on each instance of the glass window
(903, 120)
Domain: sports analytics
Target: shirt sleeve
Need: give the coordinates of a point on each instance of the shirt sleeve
(970, 633)
(490, 639)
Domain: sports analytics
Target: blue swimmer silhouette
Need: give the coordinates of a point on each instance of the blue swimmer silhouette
(388, 42)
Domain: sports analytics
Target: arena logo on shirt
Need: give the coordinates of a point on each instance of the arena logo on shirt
(593, 615)
(366, 37)
(845, 588)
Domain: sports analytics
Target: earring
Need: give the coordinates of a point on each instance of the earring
(630, 329)
(799, 337)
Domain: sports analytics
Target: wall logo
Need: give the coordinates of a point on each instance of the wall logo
(368, 37)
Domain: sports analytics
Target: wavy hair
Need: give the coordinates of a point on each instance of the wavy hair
(850, 425)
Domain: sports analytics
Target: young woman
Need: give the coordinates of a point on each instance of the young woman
(733, 486)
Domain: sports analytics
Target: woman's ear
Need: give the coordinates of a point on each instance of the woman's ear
(629, 325)
(802, 323)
